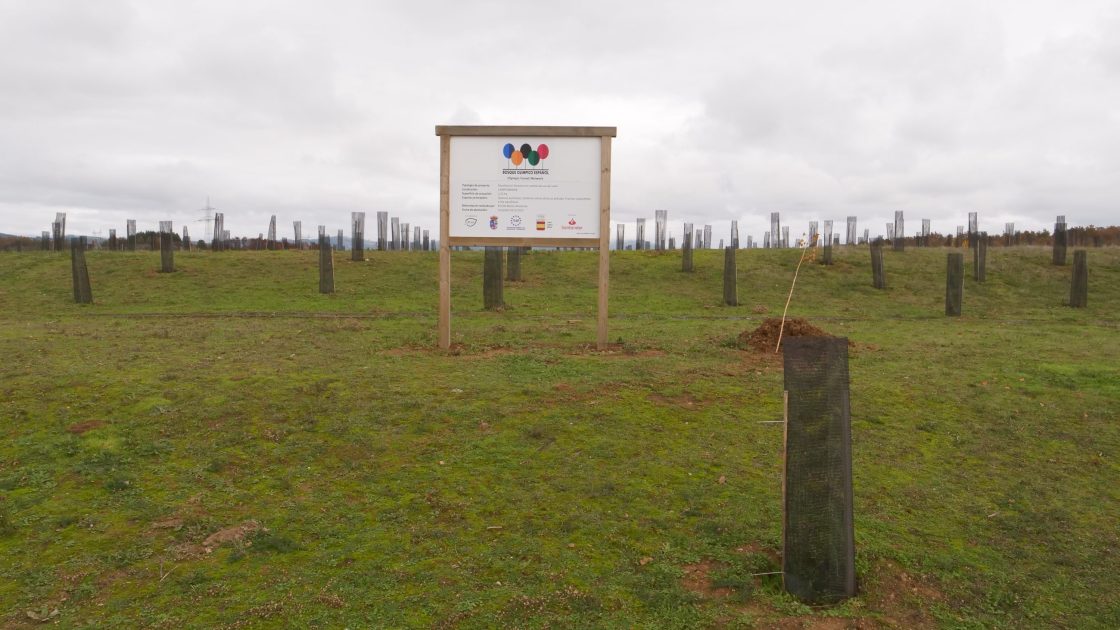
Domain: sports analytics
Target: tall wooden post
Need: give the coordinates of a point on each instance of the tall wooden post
(604, 240)
(444, 325)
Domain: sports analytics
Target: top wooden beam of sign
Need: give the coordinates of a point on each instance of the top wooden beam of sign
(484, 130)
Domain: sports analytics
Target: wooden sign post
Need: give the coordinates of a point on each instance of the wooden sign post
(524, 187)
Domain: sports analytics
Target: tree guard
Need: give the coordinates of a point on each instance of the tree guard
(730, 291)
(1079, 288)
(954, 284)
(492, 298)
(818, 534)
(79, 273)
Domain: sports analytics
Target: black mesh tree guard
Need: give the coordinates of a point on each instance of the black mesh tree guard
(492, 298)
(166, 253)
(382, 230)
(980, 258)
(686, 249)
(358, 235)
(1079, 286)
(79, 273)
(818, 555)
(1060, 241)
(730, 290)
(954, 284)
(878, 276)
(326, 265)
(513, 264)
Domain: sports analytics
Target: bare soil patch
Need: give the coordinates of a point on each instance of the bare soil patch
(774, 555)
(684, 400)
(903, 598)
(894, 598)
(234, 533)
(696, 579)
(82, 427)
(618, 351)
(174, 522)
(475, 352)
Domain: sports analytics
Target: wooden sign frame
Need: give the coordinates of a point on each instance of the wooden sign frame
(445, 133)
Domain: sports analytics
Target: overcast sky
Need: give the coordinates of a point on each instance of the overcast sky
(112, 110)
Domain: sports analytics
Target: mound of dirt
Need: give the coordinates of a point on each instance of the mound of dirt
(765, 337)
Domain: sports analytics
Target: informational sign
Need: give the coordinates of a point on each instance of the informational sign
(525, 187)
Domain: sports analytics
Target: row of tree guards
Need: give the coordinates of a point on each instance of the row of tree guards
(394, 235)
(493, 275)
(493, 286)
(823, 235)
(954, 274)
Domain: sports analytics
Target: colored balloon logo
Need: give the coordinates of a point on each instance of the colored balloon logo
(525, 153)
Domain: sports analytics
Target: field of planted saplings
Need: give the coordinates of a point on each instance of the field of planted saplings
(227, 439)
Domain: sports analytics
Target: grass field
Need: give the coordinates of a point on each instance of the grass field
(224, 447)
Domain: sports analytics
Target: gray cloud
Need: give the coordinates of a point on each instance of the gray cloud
(118, 109)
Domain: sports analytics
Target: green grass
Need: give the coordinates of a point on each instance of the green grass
(526, 480)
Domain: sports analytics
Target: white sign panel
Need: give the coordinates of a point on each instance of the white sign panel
(524, 187)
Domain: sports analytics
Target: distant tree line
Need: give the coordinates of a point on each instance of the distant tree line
(1089, 236)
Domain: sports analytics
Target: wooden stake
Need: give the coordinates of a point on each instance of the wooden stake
(785, 436)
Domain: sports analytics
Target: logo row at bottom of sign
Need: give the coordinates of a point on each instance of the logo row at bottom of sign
(517, 223)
